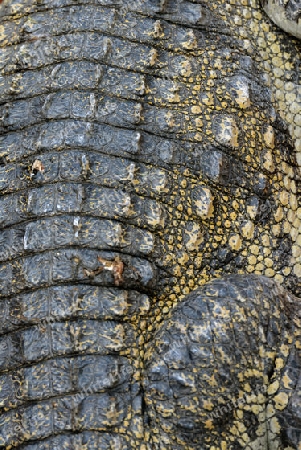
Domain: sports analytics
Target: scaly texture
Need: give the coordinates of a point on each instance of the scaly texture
(146, 148)
(215, 379)
(286, 14)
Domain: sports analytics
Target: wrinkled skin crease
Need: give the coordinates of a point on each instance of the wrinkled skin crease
(149, 216)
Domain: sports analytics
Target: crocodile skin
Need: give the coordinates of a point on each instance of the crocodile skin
(149, 214)
(286, 14)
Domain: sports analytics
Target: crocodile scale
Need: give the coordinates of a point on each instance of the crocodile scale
(286, 14)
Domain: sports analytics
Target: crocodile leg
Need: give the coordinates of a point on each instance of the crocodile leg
(215, 380)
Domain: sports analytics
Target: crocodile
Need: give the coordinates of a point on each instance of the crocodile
(150, 257)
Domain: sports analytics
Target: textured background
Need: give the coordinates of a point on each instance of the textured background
(163, 136)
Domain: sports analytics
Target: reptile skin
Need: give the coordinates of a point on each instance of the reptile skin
(150, 257)
(285, 13)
